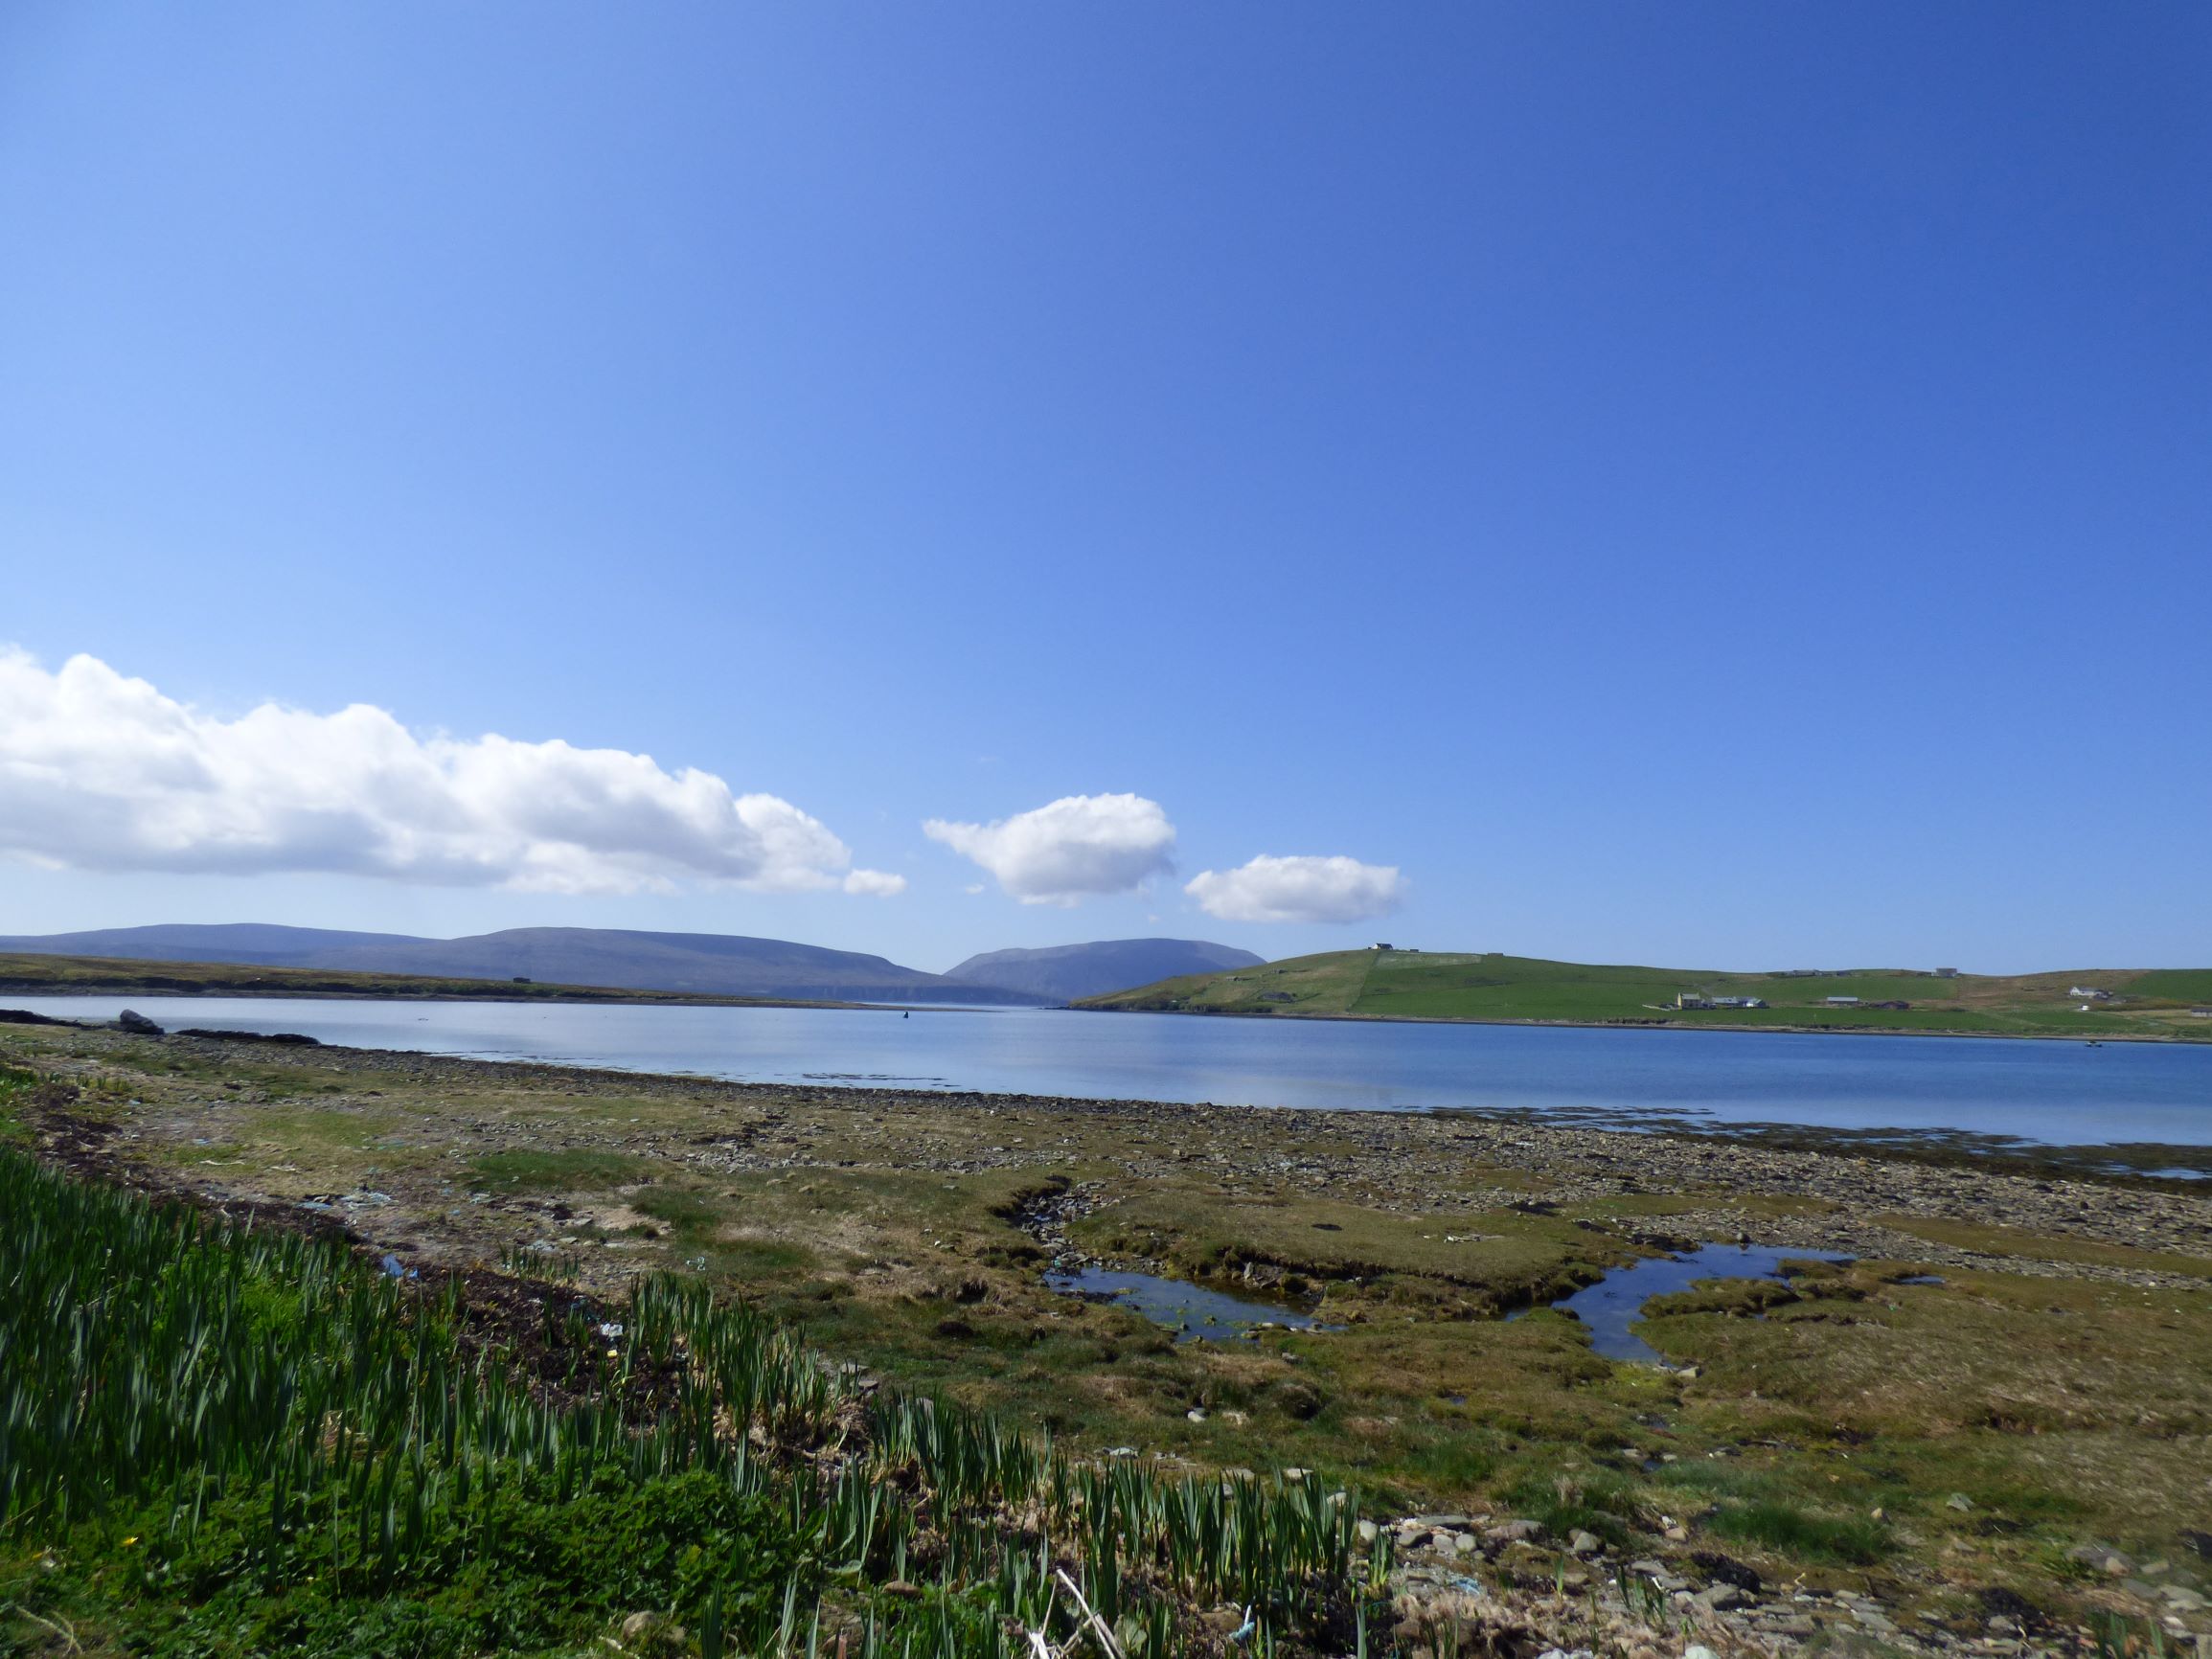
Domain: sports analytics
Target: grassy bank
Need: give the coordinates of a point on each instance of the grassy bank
(1451, 986)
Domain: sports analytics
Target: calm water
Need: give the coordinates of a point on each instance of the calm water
(1612, 1306)
(1194, 1312)
(2060, 1092)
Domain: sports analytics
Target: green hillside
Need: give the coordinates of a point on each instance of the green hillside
(1474, 986)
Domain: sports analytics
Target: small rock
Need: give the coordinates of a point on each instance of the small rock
(1676, 1535)
(1721, 1597)
(1516, 1532)
(2107, 1561)
(1581, 1543)
(1699, 1650)
(1195, 1415)
(1369, 1532)
(1958, 1501)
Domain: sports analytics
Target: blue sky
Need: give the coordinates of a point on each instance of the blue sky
(1716, 485)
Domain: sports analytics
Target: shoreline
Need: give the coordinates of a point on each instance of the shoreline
(1950, 1149)
(1666, 1025)
(2168, 1166)
(552, 998)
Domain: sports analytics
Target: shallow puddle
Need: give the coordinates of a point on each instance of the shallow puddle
(1194, 1313)
(1612, 1305)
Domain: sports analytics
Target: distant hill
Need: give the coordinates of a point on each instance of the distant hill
(711, 963)
(1473, 986)
(1065, 972)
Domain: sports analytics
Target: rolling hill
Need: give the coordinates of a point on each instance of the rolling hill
(1065, 972)
(707, 964)
(1471, 986)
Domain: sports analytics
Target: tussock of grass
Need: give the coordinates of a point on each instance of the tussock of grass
(581, 1170)
(1779, 1526)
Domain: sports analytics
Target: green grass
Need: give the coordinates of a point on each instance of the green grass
(218, 1441)
(1459, 986)
(574, 1170)
(2181, 984)
(1849, 1541)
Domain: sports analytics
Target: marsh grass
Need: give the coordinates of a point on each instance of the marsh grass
(1773, 1525)
(220, 1440)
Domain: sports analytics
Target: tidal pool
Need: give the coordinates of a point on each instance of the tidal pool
(1612, 1305)
(1194, 1313)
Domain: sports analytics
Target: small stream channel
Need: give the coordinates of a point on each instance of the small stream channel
(1610, 1306)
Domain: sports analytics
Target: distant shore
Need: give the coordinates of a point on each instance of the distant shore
(489, 994)
(1666, 1025)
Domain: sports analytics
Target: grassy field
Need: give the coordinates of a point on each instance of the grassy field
(26, 975)
(2057, 1382)
(1450, 986)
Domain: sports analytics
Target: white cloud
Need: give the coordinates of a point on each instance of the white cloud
(101, 772)
(875, 883)
(1298, 889)
(1076, 847)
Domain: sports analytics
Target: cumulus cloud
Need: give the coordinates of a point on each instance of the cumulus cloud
(875, 883)
(103, 772)
(1298, 889)
(1077, 847)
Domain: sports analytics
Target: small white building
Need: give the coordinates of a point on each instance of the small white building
(1842, 1002)
(2090, 991)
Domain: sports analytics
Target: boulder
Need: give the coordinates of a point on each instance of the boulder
(137, 1024)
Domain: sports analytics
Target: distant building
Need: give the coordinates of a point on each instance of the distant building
(1384, 945)
(1739, 1002)
(1691, 999)
(1842, 1002)
(2200, 1013)
(2091, 992)
(1947, 973)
